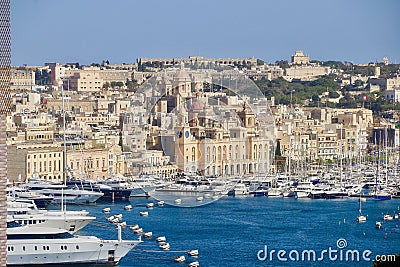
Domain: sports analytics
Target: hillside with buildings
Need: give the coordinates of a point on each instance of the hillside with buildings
(320, 110)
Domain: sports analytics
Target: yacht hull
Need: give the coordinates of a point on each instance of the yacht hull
(77, 250)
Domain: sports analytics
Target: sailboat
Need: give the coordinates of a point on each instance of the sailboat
(380, 194)
(361, 217)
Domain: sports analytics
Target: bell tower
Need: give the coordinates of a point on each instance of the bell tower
(247, 117)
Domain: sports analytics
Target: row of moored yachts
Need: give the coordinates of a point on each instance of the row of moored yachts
(37, 236)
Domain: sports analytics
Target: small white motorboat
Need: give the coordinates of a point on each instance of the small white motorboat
(111, 218)
(194, 264)
(138, 231)
(178, 201)
(396, 216)
(115, 220)
(150, 205)
(160, 203)
(387, 217)
(180, 258)
(134, 227)
(148, 234)
(123, 224)
(199, 199)
(361, 218)
(161, 239)
(119, 216)
(165, 246)
(193, 252)
(206, 195)
(106, 210)
(144, 213)
(128, 207)
(378, 225)
(214, 198)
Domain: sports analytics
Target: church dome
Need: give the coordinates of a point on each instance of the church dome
(182, 75)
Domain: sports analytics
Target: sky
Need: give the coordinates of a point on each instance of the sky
(89, 31)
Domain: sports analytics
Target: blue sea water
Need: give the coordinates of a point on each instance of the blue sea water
(231, 231)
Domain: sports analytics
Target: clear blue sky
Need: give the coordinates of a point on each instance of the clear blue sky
(88, 31)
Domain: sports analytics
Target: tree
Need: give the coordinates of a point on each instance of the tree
(282, 63)
(333, 94)
(347, 101)
(358, 83)
(42, 77)
(260, 62)
(131, 84)
(117, 84)
(315, 98)
(106, 85)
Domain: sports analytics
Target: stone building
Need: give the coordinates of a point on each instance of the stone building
(300, 59)
(305, 73)
(168, 62)
(43, 159)
(85, 80)
(22, 79)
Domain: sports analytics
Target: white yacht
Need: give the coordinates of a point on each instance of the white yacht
(70, 222)
(304, 189)
(240, 190)
(26, 213)
(41, 201)
(37, 246)
(61, 192)
(144, 184)
(274, 192)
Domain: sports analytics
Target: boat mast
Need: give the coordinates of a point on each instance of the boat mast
(386, 156)
(377, 164)
(341, 154)
(65, 149)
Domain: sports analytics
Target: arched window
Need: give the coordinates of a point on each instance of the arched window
(193, 153)
(213, 153)
(237, 152)
(224, 153)
(265, 151)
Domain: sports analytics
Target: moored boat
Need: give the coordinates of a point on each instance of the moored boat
(38, 246)
(180, 258)
(193, 252)
(387, 217)
(161, 239)
(194, 264)
(164, 246)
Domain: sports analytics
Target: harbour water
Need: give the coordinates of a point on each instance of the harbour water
(232, 231)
